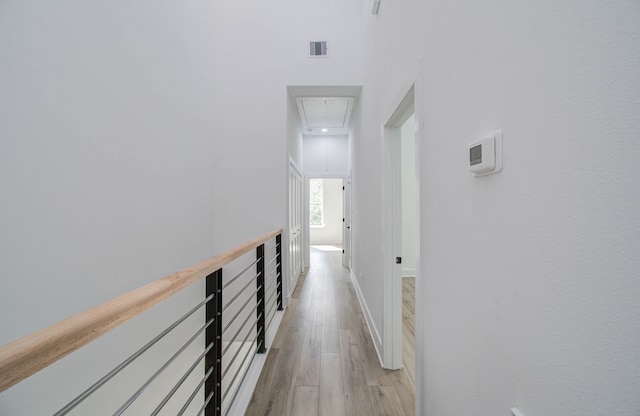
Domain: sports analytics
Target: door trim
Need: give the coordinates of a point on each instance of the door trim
(295, 260)
(391, 229)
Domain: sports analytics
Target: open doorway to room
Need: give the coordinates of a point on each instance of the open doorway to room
(409, 211)
(400, 236)
(326, 219)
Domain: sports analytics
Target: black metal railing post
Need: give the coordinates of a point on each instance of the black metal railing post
(214, 335)
(279, 269)
(262, 348)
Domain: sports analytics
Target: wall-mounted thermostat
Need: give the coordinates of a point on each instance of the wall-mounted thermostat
(485, 155)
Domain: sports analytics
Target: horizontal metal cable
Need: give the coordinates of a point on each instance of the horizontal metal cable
(198, 387)
(272, 286)
(272, 260)
(250, 352)
(269, 288)
(270, 270)
(233, 339)
(164, 366)
(206, 402)
(260, 330)
(182, 379)
(249, 299)
(75, 402)
(271, 311)
(271, 295)
(244, 375)
(226, 370)
(270, 305)
(274, 271)
(273, 315)
(240, 292)
(240, 274)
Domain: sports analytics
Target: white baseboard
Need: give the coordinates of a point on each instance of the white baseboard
(375, 335)
(243, 398)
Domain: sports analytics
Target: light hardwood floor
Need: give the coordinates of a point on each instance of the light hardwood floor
(323, 361)
(408, 328)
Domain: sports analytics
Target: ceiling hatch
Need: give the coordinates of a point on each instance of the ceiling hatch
(325, 115)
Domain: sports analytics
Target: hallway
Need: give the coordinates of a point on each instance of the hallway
(323, 361)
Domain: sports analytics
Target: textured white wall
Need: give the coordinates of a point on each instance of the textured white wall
(529, 290)
(105, 173)
(326, 155)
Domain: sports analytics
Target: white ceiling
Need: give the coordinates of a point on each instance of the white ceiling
(330, 113)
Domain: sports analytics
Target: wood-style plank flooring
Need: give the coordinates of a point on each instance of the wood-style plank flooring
(409, 328)
(322, 361)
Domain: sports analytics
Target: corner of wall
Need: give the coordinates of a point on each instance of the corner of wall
(375, 334)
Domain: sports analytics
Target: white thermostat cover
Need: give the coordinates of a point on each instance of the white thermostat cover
(485, 155)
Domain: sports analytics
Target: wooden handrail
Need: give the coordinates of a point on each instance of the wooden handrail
(30, 354)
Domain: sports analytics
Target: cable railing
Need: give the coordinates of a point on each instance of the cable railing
(238, 309)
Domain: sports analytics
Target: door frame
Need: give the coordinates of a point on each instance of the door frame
(295, 197)
(305, 220)
(402, 109)
(346, 222)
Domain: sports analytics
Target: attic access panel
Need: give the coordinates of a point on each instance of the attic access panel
(330, 113)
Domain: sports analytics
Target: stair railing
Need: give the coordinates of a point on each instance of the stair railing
(238, 311)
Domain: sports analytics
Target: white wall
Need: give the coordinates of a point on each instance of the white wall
(529, 291)
(105, 173)
(262, 49)
(121, 158)
(409, 197)
(326, 155)
(331, 231)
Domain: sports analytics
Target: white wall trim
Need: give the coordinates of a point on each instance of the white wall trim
(408, 272)
(295, 165)
(375, 335)
(326, 175)
(292, 281)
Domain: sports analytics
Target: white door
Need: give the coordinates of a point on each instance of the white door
(295, 226)
(346, 226)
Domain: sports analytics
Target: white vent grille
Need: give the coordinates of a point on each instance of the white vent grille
(318, 48)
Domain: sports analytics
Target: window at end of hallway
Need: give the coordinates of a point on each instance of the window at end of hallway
(316, 214)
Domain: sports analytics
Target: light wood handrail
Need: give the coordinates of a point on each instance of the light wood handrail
(23, 357)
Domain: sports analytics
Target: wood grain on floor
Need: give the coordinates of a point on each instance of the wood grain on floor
(323, 361)
(408, 328)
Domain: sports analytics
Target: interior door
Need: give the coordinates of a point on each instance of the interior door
(295, 226)
(346, 220)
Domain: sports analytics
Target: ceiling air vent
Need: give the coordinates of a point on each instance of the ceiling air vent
(318, 48)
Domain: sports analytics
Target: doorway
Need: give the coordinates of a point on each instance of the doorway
(326, 217)
(409, 218)
(400, 229)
